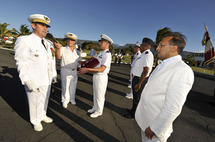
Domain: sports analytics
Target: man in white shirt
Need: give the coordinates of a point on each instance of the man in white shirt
(166, 91)
(136, 55)
(70, 58)
(140, 73)
(100, 76)
(120, 56)
(35, 62)
(92, 53)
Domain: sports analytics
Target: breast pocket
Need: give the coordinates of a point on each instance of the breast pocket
(35, 55)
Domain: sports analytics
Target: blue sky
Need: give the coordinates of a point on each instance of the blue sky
(125, 21)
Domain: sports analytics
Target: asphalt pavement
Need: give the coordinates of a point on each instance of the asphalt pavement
(195, 124)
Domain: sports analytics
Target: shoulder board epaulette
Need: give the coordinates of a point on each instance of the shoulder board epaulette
(146, 52)
(107, 51)
(137, 53)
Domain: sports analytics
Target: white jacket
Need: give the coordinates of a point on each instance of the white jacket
(34, 62)
(163, 97)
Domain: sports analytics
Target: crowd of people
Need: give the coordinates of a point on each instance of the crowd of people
(158, 96)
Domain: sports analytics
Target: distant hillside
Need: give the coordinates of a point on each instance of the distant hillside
(81, 41)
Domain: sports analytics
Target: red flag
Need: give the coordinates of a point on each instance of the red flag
(209, 48)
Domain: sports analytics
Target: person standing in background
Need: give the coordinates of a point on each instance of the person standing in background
(136, 55)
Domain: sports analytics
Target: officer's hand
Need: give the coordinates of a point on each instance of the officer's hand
(149, 133)
(54, 80)
(57, 44)
(137, 87)
(82, 70)
(31, 86)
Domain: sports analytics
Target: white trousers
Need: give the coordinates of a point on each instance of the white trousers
(131, 93)
(69, 79)
(38, 103)
(155, 139)
(99, 89)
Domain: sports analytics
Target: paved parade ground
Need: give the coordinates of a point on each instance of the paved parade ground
(195, 124)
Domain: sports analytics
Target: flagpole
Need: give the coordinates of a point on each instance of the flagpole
(206, 28)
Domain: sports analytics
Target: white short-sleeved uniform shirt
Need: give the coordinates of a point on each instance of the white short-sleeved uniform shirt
(104, 58)
(69, 59)
(146, 59)
(135, 58)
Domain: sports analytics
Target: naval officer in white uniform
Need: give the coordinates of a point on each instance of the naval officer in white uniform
(70, 57)
(141, 71)
(35, 62)
(100, 76)
(136, 55)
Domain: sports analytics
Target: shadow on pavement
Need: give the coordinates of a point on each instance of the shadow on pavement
(71, 131)
(12, 91)
(201, 103)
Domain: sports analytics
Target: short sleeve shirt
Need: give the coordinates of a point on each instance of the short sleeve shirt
(104, 58)
(69, 59)
(146, 59)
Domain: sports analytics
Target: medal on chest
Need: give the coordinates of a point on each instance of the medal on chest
(53, 52)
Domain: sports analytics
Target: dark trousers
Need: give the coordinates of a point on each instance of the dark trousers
(119, 61)
(137, 95)
(115, 60)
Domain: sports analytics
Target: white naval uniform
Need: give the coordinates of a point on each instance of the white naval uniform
(69, 75)
(136, 55)
(146, 59)
(36, 64)
(100, 81)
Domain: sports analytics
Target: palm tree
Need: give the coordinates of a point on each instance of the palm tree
(23, 30)
(4, 32)
(161, 33)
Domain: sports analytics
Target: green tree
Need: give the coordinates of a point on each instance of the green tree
(4, 32)
(190, 59)
(131, 49)
(117, 50)
(123, 51)
(111, 48)
(23, 30)
(161, 33)
(88, 45)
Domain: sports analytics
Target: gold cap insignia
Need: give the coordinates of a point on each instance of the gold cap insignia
(46, 18)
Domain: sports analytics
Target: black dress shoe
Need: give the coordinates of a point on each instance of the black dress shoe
(129, 115)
